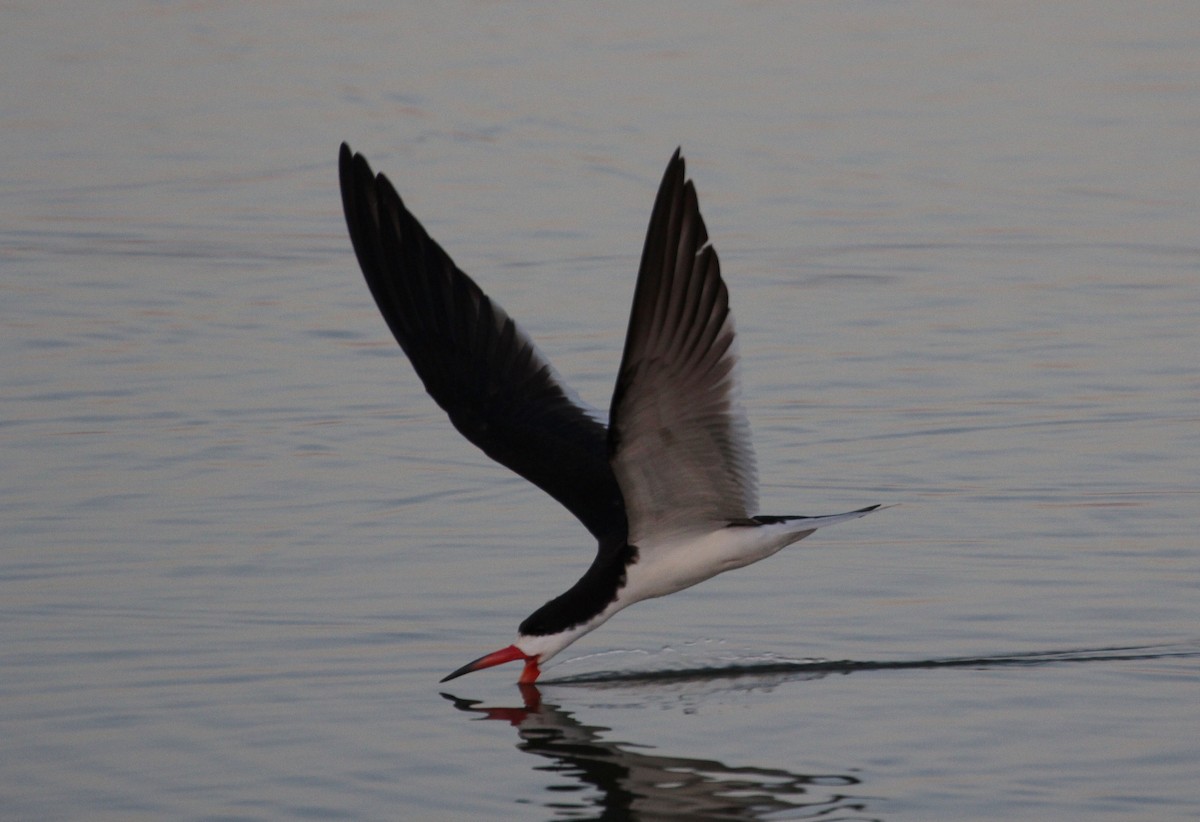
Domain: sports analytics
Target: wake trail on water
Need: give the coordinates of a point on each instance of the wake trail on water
(813, 668)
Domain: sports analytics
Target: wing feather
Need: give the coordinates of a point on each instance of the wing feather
(679, 439)
(475, 361)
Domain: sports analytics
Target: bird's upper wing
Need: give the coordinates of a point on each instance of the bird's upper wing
(679, 440)
(479, 366)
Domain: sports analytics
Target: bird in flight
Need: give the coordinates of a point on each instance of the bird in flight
(668, 487)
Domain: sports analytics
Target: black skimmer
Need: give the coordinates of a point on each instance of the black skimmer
(668, 486)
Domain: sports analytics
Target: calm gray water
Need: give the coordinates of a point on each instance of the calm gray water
(240, 546)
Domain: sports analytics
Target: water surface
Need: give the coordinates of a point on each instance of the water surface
(241, 546)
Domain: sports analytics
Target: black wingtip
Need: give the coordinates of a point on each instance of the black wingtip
(677, 163)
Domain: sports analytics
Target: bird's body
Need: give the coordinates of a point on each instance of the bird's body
(668, 487)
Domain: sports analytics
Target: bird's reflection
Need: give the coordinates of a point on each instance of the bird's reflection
(634, 783)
